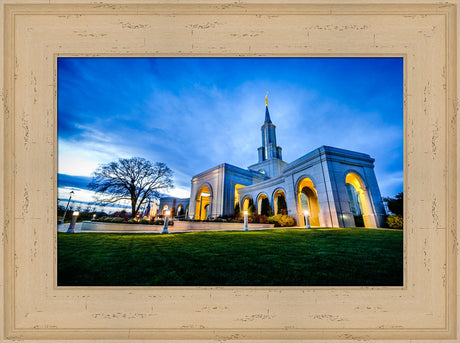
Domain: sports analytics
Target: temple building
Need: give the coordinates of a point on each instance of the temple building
(334, 187)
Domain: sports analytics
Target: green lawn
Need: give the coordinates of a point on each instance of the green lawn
(285, 257)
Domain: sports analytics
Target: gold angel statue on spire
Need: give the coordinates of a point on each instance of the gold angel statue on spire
(266, 99)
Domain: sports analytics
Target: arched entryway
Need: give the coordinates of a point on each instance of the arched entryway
(279, 201)
(203, 203)
(248, 205)
(307, 198)
(363, 199)
(180, 211)
(263, 205)
(164, 209)
(236, 203)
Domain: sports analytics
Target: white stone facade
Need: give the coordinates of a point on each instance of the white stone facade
(316, 182)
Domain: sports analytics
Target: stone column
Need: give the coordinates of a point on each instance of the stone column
(369, 214)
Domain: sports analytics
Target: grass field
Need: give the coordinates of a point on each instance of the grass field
(285, 257)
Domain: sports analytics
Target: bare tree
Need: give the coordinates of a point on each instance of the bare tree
(135, 179)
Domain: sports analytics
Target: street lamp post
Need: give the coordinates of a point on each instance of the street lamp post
(71, 228)
(68, 202)
(307, 220)
(245, 220)
(165, 226)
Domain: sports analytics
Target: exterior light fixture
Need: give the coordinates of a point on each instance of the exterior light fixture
(245, 220)
(71, 228)
(68, 202)
(307, 219)
(165, 226)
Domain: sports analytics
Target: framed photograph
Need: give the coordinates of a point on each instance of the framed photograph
(49, 47)
(311, 196)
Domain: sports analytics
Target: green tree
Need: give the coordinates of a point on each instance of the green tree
(130, 179)
(282, 207)
(266, 209)
(251, 207)
(236, 210)
(395, 205)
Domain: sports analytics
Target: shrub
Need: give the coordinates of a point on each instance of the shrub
(281, 220)
(159, 222)
(394, 222)
(282, 211)
(287, 220)
(220, 220)
(144, 221)
(117, 220)
(259, 218)
(274, 219)
(122, 214)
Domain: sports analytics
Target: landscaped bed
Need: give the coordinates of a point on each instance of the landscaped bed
(313, 257)
(172, 226)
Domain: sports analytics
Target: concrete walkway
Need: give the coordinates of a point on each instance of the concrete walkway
(64, 227)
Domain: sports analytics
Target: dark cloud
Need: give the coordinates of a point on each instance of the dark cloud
(79, 182)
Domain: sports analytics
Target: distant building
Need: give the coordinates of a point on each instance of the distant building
(178, 207)
(332, 184)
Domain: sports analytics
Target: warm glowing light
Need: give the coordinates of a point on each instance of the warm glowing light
(167, 213)
(76, 213)
(306, 213)
(203, 203)
(237, 195)
(245, 212)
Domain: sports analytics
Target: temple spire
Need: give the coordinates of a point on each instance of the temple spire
(267, 114)
(268, 150)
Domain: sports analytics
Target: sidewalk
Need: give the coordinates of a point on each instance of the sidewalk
(65, 226)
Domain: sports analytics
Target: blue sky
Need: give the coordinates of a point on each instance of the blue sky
(195, 113)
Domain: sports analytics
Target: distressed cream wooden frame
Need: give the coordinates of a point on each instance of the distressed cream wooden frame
(35, 33)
